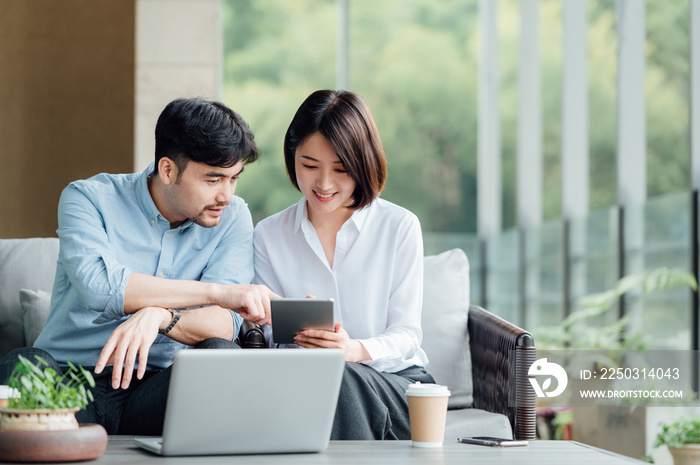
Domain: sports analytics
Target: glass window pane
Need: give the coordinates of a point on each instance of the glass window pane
(593, 260)
(551, 43)
(663, 316)
(602, 95)
(502, 265)
(667, 244)
(276, 53)
(668, 96)
(415, 62)
(543, 275)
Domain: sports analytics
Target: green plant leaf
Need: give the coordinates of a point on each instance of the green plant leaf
(585, 328)
(44, 388)
(678, 433)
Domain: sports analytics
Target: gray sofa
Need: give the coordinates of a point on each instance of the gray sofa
(482, 358)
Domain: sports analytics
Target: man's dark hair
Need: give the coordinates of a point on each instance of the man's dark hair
(203, 131)
(345, 120)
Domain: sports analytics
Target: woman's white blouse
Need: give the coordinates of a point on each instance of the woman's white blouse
(376, 279)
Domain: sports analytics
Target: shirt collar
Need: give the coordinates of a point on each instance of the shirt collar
(358, 216)
(300, 214)
(148, 207)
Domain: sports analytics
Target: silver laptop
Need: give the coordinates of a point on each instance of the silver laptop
(251, 401)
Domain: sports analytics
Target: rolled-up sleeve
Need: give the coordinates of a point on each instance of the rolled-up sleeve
(88, 259)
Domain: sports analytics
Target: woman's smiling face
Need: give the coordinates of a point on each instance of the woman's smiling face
(322, 178)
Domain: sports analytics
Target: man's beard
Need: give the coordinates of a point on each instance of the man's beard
(202, 220)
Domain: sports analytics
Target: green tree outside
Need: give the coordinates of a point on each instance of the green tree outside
(416, 63)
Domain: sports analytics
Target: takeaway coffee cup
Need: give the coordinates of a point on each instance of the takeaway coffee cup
(427, 412)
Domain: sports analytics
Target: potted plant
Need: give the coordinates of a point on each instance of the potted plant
(39, 424)
(45, 400)
(683, 440)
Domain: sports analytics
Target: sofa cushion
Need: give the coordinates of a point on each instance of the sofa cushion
(444, 322)
(24, 264)
(35, 309)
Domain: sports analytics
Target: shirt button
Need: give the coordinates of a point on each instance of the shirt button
(161, 274)
(153, 221)
(167, 235)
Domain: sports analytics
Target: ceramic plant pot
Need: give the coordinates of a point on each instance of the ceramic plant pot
(85, 443)
(38, 419)
(48, 435)
(689, 454)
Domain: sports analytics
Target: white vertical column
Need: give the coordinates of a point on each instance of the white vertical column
(575, 157)
(631, 143)
(631, 117)
(529, 157)
(694, 152)
(575, 142)
(342, 66)
(529, 153)
(489, 125)
(695, 93)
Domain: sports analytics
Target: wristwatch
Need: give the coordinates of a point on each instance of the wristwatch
(176, 317)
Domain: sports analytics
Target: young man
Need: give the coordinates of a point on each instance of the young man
(153, 262)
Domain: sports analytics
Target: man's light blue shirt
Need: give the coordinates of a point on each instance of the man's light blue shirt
(108, 228)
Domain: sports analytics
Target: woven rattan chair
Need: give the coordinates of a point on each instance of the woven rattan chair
(497, 380)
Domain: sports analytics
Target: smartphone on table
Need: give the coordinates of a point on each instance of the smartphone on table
(494, 442)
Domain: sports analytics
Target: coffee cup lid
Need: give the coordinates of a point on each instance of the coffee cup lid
(427, 390)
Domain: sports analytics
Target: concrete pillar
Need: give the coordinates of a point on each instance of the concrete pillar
(179, 53)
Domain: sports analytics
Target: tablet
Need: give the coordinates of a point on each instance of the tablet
(291, 316)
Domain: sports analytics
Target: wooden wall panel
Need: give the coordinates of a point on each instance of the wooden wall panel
(66, 103)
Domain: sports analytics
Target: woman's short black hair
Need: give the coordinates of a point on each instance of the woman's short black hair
(203, 131)
(345, 120)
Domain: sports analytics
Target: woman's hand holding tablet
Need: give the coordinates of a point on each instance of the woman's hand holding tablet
(291, 316)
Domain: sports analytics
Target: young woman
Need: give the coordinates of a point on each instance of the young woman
(342, 241)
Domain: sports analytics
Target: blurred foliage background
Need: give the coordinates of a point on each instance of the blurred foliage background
(416, 62)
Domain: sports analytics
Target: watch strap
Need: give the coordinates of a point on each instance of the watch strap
(176, 317)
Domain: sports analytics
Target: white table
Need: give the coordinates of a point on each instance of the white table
(122, 450)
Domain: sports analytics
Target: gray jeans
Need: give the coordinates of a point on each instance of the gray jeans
(372, 404)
